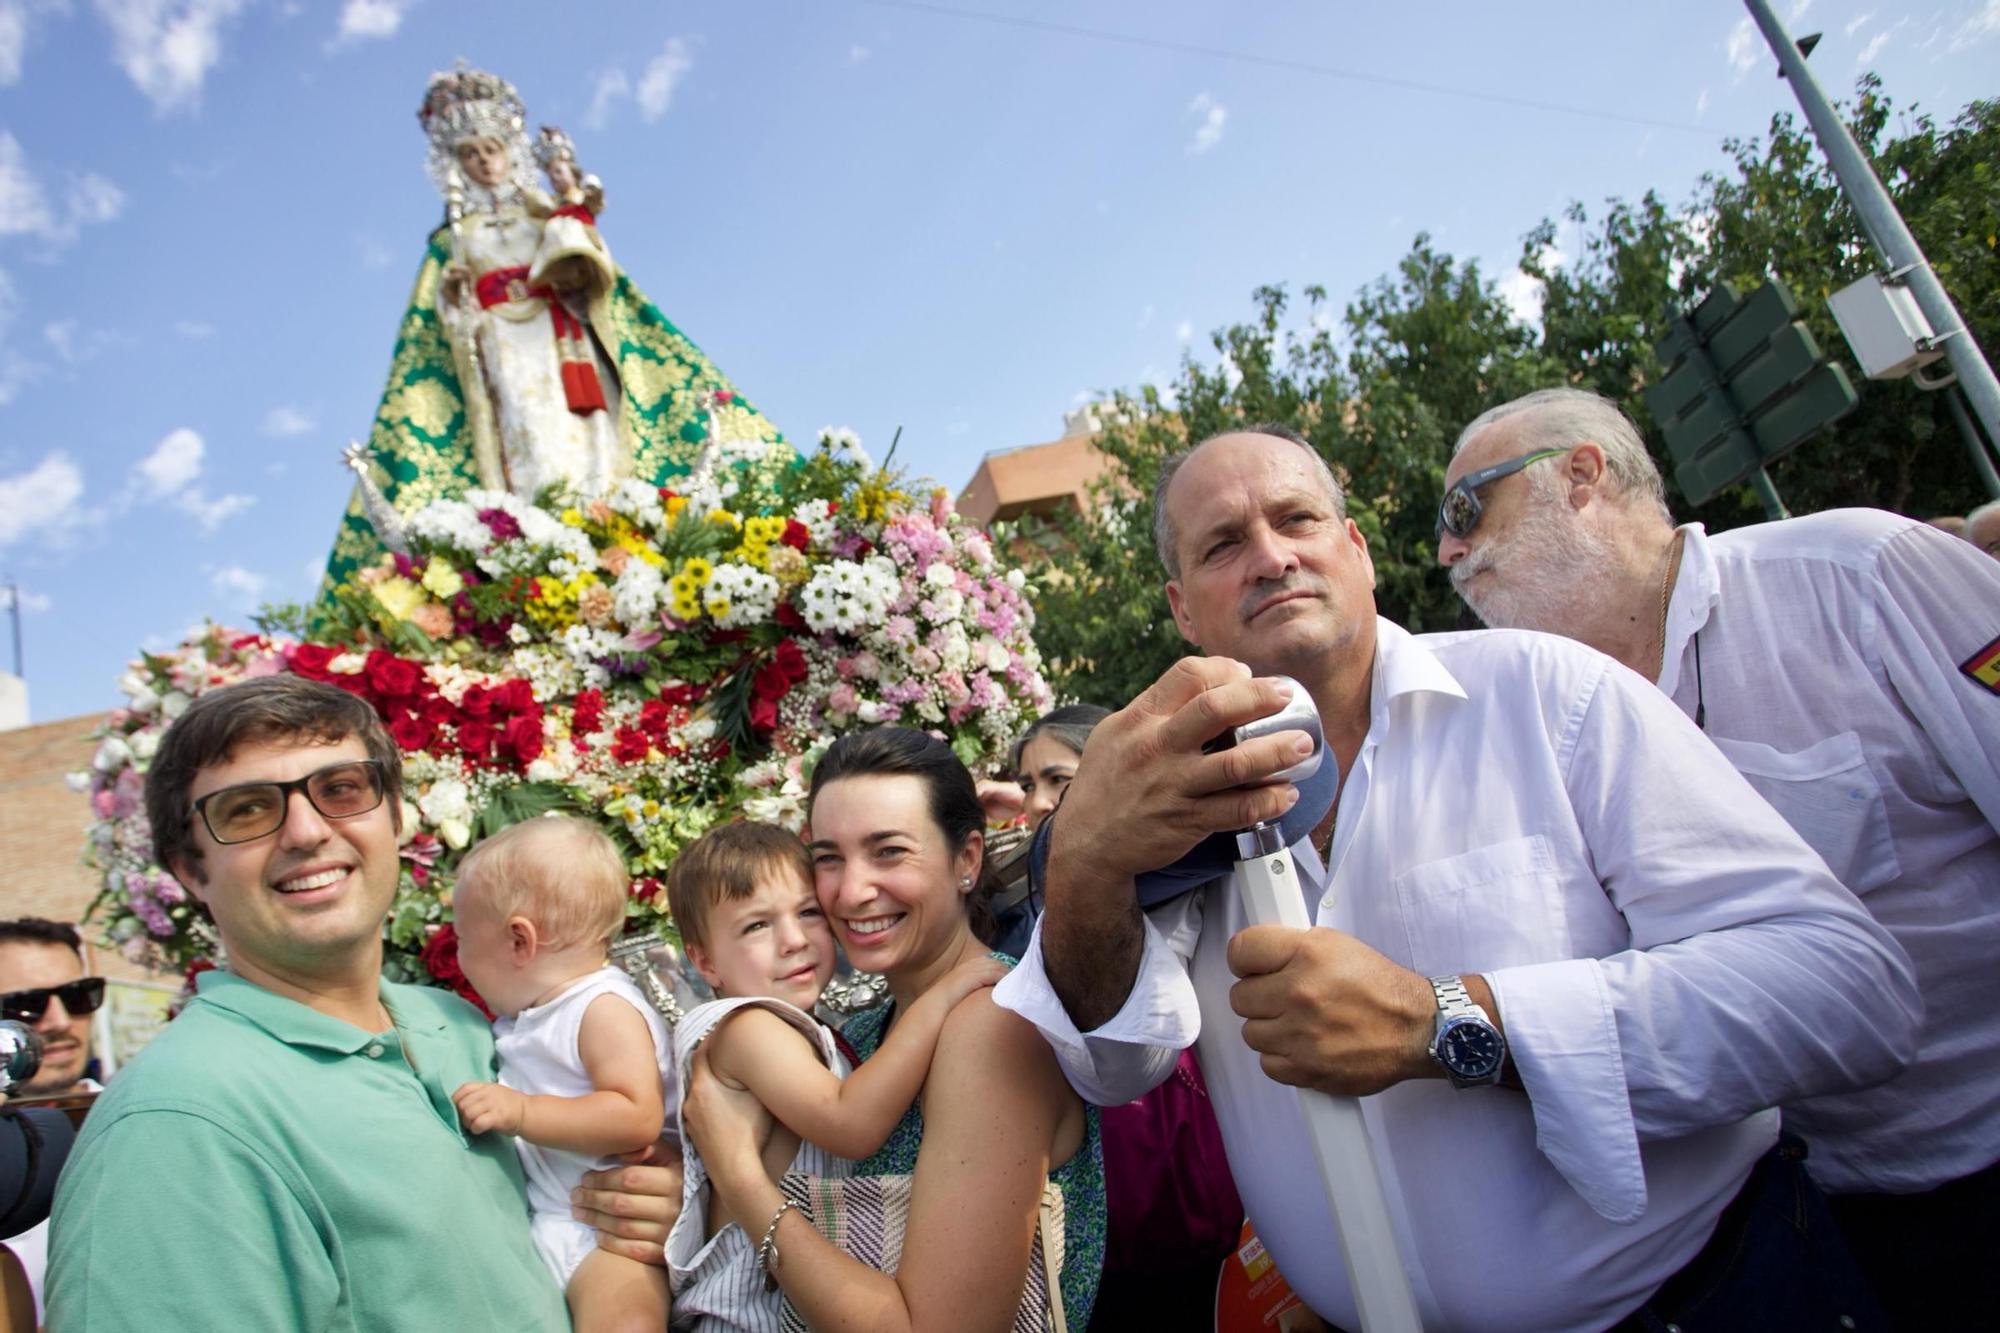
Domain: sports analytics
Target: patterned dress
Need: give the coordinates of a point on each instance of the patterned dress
(1081, 1177)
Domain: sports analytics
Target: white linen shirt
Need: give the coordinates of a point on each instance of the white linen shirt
(1830, 650)
(1667, 956)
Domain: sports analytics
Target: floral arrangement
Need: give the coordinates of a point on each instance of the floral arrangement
(661, 659)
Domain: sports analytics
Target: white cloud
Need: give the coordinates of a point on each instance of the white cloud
(370, 253)
(611, 86)
(72, 343)
(30, 601)
(361, 20)
(1523, 294)
(1984, 24)
(1797, 11)
(1742, 48)
(43, 499)
(194, 329)
(173, 465)
(857, 53)
(13, 40)
(25, 207)
(284, 420)
(1857, 23)
(1701, 102)
(167, 47)
(1874, 47)
(1210, 115)
(1184, 330)
(238, 584)
(664, 73)
(209, 514)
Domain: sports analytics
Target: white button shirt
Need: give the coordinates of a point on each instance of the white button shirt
(1830, 651)
(1667, 956)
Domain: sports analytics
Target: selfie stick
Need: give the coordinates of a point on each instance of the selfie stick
(1268, 882)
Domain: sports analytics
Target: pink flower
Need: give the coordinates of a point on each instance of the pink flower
(842, 699)
(899, 629)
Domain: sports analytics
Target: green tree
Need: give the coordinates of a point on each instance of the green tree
(1778, 212)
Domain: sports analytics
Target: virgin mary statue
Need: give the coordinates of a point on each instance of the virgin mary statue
(526, 359)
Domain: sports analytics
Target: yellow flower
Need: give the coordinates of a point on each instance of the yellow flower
(717, 606)
(697, 568)
(687, 608)
(683, 585)
(725, 518)
(399, 597)
(674, 506)
(442, 579)
(572, 517)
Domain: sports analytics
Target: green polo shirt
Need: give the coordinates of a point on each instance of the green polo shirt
(263, 1166)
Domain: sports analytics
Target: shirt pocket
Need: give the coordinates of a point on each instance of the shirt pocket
(1828, 793)
(1495, 906)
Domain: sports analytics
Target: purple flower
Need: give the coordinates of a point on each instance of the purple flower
(503, 525)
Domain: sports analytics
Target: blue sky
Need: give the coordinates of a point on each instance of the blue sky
(954, 218)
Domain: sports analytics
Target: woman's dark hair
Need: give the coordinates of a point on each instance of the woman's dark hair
(1071, 725)
(952, 799)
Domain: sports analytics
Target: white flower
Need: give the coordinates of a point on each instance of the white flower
(519, 633)
(112, 755)
(1016, 579)
(699, 730)
(447, 800)
(940, 575)
(751, 595)
(635, 597)
(996, 655)
(868, 711)
(348, 664)
(456, 833)
(145, 744)
(173, 703)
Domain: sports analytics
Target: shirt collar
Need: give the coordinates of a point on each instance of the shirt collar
(296, 1024)
(1405, 665)
(1696, 591)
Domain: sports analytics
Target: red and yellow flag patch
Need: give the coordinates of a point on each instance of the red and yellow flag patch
(1984, 666)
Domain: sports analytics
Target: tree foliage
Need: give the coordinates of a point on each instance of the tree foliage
(1382, 389)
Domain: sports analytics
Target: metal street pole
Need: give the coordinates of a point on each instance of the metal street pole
(1884, 225)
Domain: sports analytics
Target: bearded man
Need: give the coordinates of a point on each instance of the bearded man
(1848, 664)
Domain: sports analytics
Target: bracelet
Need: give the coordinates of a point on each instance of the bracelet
(767, 1249)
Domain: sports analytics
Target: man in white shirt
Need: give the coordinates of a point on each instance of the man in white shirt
(1518, 816)
(1848, 664)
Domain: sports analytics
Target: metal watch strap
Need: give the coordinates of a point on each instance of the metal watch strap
(1453, 998)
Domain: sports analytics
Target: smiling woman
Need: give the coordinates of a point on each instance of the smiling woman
(897, 840)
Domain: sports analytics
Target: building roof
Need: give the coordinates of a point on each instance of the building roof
(1033, 479)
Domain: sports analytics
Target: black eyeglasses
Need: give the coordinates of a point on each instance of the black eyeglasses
(81, 996)
(1459, 512)
(253, 809)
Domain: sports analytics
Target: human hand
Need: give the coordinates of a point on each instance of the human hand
(490, 1106)
(456, 282)
(1325, 1011)
(569, 275)
(1144, 793)
(632, 1206)
(1002, 801)
(971, 975)
(728, 1125)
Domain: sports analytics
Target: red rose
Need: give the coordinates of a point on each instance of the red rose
(476, 702)
(476, 739)
(438, 710)
(589, 715)
(789, 617)
(413, 731)
(523, 739)
(516, 696)
(655, 717)
(764, 714)
(392, 677)
(796, 535)
(629, 746)
(310, 659)
(440, 959)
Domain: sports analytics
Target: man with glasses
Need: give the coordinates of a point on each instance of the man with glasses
(1561, 950)
(1848, 664)
(296, 1118)
(43, 977)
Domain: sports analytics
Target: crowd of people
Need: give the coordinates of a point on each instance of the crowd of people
(1699, 840)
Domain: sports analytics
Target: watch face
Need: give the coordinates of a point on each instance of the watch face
(1471, 1049)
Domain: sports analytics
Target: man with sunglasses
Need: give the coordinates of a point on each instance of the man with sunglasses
(1848, 664)
(42, 975)
(296, 1118)
(43, 983)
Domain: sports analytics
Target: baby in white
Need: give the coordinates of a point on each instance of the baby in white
(583, 1058)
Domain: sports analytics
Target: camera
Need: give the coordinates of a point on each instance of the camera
(20, 1055)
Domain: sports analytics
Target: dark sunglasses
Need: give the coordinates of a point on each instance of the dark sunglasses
(81, 996)
(1460, 511)
(253, 809)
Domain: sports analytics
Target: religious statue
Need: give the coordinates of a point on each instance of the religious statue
(527, 358)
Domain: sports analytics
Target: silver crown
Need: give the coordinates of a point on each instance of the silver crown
(466, 103)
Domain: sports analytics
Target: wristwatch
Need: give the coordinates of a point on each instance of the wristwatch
(1465, 1042)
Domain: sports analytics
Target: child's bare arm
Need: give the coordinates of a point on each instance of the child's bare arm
(622, 1114)
(855, 1116)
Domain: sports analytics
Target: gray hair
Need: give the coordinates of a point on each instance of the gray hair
(1991, 509)
(1164, 536)
(1564, 418)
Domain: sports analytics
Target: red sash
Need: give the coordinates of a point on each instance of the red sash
(579, 371)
